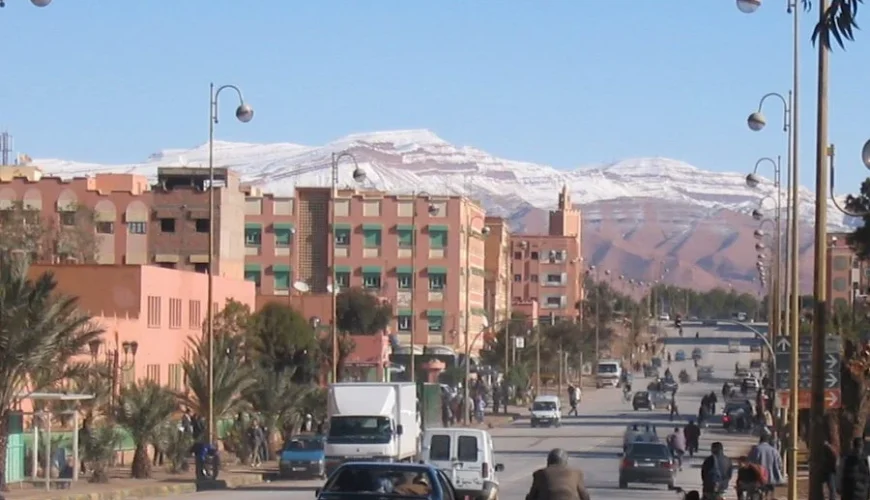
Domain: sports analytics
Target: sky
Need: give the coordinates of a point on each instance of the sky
(560, 82)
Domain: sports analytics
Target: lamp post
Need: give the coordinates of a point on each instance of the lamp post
(753, 180)
(431, 210)
(36, 3)
(359, 175)
(113, 361)
(244, 113)
(469, 230)
(594, 271)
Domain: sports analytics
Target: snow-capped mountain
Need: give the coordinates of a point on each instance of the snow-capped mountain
(621, 199)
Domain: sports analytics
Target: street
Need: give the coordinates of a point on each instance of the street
(593, 440)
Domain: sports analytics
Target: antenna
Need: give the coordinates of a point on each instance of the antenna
(301, 286)
(5, 147)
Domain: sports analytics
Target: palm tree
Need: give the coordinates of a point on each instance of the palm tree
(232, 377)
(276, 398)
(38, 329)
(98, 451)
(143, 409)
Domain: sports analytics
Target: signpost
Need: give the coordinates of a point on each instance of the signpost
(782, 347)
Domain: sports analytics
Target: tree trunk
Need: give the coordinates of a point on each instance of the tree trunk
(141, 467)
(4, 447)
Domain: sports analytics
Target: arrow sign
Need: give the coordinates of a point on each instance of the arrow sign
(783, 344)
(831, 380)
(832, 361)
(832, 399)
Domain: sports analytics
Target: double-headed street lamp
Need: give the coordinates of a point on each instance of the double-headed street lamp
(244, 113)
(359, 175)
(431, 210)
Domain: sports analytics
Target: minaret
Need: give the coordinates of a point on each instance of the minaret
(565, 220)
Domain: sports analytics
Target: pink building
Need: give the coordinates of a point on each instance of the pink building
(157, 309)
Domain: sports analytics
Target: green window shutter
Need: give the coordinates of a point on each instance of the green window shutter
(436, 270)
(403, 312)
(253, 235)
(405, 237)
(341, 226)
(404, 270)
(250, 266)
(283, 225)
(371, 269)
(372, 238)
(437, 237)
(283, 236)
(281, 268)
(282, 280)
(342, 269)
(435, 313)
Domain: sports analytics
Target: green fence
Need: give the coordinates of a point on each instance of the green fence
(15, 449)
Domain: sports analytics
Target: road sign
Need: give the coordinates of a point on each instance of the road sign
(782, 349)
(519, 342)
(832, 398)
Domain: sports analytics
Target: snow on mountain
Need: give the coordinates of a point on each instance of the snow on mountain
(407, 160)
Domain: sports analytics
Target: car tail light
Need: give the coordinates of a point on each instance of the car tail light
(666, 465)
(627, 464)
(726, 419)
(485, 469)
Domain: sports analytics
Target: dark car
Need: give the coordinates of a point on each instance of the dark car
(363, 479)
(647, 463)
(733, 411)
(302, 457)
(642, 400)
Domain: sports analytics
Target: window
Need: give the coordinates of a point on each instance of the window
(518, 278)
(372, 238)
(404, 323)
(404, 281)
(371, 280)
(554, 279)
(283, 236)
(518, 255)
(467, 449)
(153, 311)
(437, 281)
(406, 238)
(535, 256)
(194, 315)
(436, 324)
(136, 227)
(167, 225)
(253, 275)
(176, 375)
(174, 313)
(342, 237)
(439, 448)
(253, 236)
(152, 373)
(282, 279)
(201, 267)
(68, 218)
(343, 279)
(554, 301)
(437, 238)
(105, 228)
(202, 225)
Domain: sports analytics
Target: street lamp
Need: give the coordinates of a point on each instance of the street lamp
(593, 269)
(114, 362)
(359, 175)
(431, 210)
(748, 6)
(244, 113)
(37, 3)
(469, 230)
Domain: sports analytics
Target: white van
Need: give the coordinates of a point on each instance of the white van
(465, 455)
(546, 410)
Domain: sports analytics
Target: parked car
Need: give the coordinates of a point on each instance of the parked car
(639, 432)
(647, 463)
(680, 356)
(392, 478)
(302, 457)
(643, 400)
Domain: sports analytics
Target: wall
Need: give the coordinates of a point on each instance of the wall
(532, 266)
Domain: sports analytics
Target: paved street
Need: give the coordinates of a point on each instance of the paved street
(593, 439)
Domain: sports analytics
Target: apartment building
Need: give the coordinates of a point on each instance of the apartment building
(497, 282)
(179, 228)
(373, 244)
(114, 208)
(547, 268)
(848, 276)
(157, 309)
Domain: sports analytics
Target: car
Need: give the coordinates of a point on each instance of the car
(656, 362)
(650, 372)
(733, 346)
(697, 354)
(754, 348)
(742, 373)
(664, 317)
(302, 457)
(705, 373)
(392, 478)
(751, 383)
(639, 432)
(546, 411)
(465, 455)
(643, 400)
(733, 409)
(680, 356)
(647, 463)
(756, 365)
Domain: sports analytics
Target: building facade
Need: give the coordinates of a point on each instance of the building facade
(548, 268)
(497, 284)
(848, 276)
(158, 309)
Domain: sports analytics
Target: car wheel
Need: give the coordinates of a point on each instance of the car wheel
(534, 425)
(623, 485)
(635, 408)
(671, 485)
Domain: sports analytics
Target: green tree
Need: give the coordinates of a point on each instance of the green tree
(39, 328)
(143, 408)
(361, 313)
(839, 23)
(275, 398)
(98, 451)
(346, 345)
(279, 339)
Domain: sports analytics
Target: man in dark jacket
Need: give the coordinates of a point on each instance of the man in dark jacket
(693, 435)
(556, 481)
(855, 474)
(716, 471)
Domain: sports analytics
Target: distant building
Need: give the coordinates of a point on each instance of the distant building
(497, 298)
(848, 280)
(548, 268)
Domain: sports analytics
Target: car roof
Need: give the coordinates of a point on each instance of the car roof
(546, 399)
(396, 466)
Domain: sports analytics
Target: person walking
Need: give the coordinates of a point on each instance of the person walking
(557, 481)
(692, 433)
(572, 400)
(677, 446)
(716, 472)
(854, 474)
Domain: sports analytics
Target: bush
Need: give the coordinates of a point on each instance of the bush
(98, 451)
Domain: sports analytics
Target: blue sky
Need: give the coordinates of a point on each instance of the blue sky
(562, 82)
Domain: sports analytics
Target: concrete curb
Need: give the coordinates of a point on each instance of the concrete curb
(160, 490)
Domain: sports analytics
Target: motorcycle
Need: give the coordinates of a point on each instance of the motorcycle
(684, 377)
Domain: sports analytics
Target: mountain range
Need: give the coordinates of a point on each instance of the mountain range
(644, 218)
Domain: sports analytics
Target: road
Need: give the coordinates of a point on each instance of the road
(593, 439)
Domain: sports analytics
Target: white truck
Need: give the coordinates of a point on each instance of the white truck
(371, 422)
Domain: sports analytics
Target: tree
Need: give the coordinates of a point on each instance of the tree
(859, 240)
(275, 397)
(98, 451)
(279, 338)
(839, 23)
(143, 408)
(49, 239)
(39, 328)
(361, 313)
(346, 345)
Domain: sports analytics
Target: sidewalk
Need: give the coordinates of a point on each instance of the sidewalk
(122, 486)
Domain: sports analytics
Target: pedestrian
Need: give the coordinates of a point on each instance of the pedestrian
(716, 472)
(677, 445)
(557, 481)
(854, 474)
(692, 434)
(572, 400)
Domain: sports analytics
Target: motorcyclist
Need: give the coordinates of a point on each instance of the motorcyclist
(668, 374)
(692, 434)
(716, 472)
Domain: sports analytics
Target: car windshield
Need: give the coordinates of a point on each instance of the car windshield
(347, 429)
(641, 395)
(648, 450)
(607, 368)
(367, 480)
(304, 444)
(543, 406)
(735, 407)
